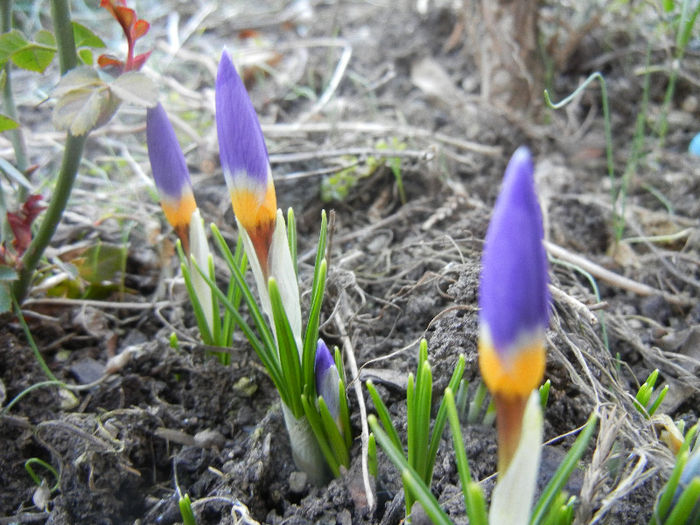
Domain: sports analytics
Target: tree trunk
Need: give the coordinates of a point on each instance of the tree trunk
(503, 35)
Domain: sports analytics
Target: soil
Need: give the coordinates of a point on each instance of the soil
(154, 418)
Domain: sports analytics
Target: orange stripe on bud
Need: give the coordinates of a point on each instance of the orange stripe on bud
(509, 423)
(258, 219)
(179, 213)
(516, 376)
(510, 381)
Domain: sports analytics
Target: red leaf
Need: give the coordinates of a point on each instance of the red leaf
(139, 61)
(141, 27)
(109, 63)
(21, 222)
(133, 27)
(126, 18)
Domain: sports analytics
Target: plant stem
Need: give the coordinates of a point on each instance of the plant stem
(69, 168)
(685, 27)
(67, 53)
(72, 154)
(8, 101)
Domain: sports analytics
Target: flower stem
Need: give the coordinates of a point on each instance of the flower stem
(69, 168)
(72, 154)
(8, 101)
(67, 53)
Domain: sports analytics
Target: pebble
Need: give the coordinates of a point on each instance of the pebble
(209, 439)
(297, 482)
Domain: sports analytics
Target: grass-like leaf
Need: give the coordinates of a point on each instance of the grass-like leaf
(372, 455)
(410, 477)
(234, 293)
(185, 505)
(318, 288)
(288, 352)
(441, 418)
(266, 336)
(185, 269)
(473, 497)
(686, 504)
(344, 414)
(563, 471)
(311, 333)
(314, 419)
(336, 441)
(423, 402)
(265, 350)
(292, 238)
(383, 414)
(663, 505)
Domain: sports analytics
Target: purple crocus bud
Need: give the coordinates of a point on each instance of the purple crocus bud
(170, 172)
(513, 300)
(244, 160)
(327, 379)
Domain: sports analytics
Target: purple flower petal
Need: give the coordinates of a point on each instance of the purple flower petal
(167, 161)
(241, 144)
(327, 379)
(514, 297)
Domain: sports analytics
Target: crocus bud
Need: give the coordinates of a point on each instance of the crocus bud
(244, 160)
(327, 379)
(514, 301)
(249, 179)
(170, 172)
(175, 188)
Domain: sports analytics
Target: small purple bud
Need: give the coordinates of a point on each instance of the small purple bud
(327, 379)
(170, 172)
(167, 161)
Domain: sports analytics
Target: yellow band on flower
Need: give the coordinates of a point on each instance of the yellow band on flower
(179, 211)
(516, 377)
(257, 218)
(252, 213)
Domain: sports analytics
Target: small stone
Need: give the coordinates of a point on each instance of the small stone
(690, 104)
(344, 517)
(68, 400)
(41, 496)
(209, 439)
(87, 370)
(245, 386)
(297, 482)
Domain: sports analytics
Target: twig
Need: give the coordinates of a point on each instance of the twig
(352, 363)
(614, 278)
(305, 156)
(574, 303)
(335, 79)
(374, 128)
(57, 301)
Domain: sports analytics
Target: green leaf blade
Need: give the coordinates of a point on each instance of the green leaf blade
(84, 37)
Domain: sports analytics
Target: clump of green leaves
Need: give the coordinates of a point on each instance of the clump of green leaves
(555, 506)
(678, 502)
(643, 400)
(291, 370)
(421, 445)
(337, 186)
(222, 327)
